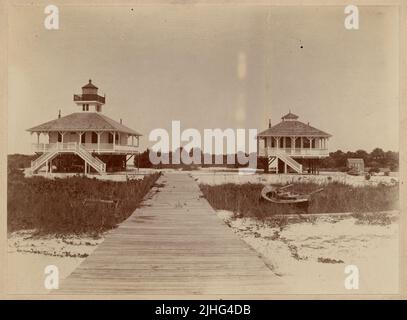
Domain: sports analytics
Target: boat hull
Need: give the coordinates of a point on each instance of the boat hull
(297, 204)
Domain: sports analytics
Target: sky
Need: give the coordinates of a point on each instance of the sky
(209, 66)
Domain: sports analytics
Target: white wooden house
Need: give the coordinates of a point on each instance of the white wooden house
(292, 144)
(99, 141)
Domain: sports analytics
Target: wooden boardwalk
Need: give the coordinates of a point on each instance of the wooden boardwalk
(174, 244)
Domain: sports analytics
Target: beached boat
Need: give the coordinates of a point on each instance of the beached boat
(280, 196)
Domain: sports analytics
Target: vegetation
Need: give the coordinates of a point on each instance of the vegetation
(329, 260)
(336, 161)
(71, 205)
(19, 161)
(376, 218)
(244, 199)
(374, 160)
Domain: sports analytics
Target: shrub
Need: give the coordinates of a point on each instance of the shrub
(19, 161)
(374, 170)
(329, 260)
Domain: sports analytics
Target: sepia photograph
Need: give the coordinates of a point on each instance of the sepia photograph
(204, 149)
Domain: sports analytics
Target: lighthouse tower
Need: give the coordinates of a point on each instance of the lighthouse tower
(89, 100)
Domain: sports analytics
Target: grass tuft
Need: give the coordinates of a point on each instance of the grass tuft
(329, 260)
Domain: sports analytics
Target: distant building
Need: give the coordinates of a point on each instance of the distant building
(292, 144)
(356, 165)
(85, 139)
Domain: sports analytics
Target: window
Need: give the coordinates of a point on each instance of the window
(59, 137)
(98, 108)
(83, 138)
(298, 143)
(110, 138)
(85, 107)
(287, 142)
(94, 137)
(116, 138)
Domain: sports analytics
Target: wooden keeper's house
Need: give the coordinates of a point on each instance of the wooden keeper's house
(291, 146)
(85, 140)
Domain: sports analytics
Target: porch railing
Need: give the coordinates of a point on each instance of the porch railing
(90, 147)
(294, 151)
(89, 97)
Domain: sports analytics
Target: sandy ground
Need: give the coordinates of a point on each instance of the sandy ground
(311, 256)
(216, 176)
(29, 255)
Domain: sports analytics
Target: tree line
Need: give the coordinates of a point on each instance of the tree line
(336, 160)
(375, 159)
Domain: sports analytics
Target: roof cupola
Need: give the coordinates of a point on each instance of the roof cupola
(289, 117)
(89, 100)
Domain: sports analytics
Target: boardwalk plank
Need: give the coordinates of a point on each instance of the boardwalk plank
(173, 244)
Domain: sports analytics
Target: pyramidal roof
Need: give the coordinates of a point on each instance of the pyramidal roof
(290, 116)
(293, 128)
(89, 85)
(83, 121)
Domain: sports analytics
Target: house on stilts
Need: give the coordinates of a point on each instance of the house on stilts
(84, 141)
(292, 146)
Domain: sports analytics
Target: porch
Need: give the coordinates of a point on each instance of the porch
(296, 147)
(108, 148)
(108, 142)
(294, 152)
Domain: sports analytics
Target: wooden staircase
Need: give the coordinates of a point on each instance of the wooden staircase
(75, 148)
(290, 162)
(42, 160)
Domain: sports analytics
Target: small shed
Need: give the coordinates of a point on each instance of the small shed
(356, 164)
